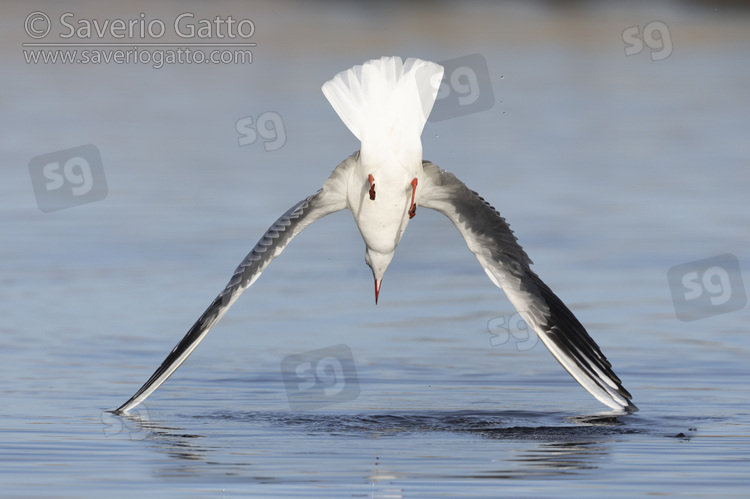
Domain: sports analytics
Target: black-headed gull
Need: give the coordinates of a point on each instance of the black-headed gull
(385, 103)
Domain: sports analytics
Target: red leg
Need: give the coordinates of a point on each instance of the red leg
(413, 207)
(372, 186)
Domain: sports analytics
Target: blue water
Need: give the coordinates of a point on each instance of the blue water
(611, 169)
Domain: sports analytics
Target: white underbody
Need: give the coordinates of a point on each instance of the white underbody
(385, 103)
(382, 221)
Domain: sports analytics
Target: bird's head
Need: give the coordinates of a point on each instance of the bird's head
(378, 263)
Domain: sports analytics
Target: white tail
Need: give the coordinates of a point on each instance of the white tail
(385, 96)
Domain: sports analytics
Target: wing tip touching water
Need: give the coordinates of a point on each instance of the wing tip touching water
(572, 346)
(490, 238)
(273, 242)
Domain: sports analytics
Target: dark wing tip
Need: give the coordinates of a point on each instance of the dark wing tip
(571, 338)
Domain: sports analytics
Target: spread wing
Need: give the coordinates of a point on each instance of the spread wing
(489, 237)
(329, 199)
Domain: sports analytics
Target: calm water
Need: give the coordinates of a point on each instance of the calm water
(612, 170)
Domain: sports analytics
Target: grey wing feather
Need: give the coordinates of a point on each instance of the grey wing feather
(489, 237)
(329, 199)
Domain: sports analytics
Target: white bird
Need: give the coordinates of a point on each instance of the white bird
(385, 103)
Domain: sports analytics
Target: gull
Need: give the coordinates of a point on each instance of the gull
(385, 103)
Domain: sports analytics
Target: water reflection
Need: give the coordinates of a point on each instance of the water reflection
(553, 459)
(273, 444)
